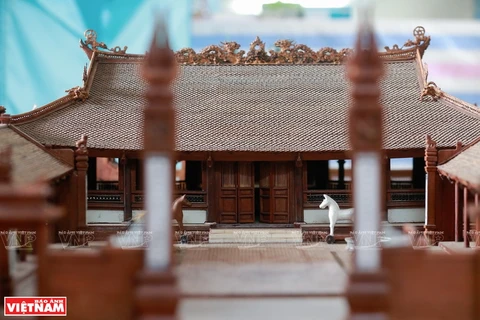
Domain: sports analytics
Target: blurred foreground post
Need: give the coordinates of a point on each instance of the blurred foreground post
(367, 291)
(26, 209)
(156, 296)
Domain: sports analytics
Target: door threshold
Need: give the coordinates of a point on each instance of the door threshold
(253, 225)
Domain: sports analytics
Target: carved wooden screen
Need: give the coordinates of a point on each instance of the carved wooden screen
(237, 192)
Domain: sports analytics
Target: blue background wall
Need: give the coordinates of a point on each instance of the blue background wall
(40, 56)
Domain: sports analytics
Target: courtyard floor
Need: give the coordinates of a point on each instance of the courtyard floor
(258, 281)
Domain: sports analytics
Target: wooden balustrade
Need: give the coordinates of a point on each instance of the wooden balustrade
(395, 197)
(198, 199)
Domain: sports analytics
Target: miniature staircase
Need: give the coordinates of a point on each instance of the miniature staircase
(254, 236)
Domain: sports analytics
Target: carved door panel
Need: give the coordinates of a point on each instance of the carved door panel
(275, 199)
(246, 192)
(264, 184)
(280, 203)
(227, 182)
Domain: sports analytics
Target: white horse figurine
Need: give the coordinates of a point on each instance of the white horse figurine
(334, 214)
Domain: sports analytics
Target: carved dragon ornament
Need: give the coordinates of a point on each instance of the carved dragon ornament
(91, 44)
(286, 52)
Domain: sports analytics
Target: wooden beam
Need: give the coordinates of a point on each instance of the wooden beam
(457, 213)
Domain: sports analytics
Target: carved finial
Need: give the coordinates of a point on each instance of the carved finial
(5, 164)
(81, 154)
(431, 92)
(364, 71)
(90, 44)
(4, 118)
(160, 65)
(85, 75)
(421, 42)
(82, 143)
(78, 93)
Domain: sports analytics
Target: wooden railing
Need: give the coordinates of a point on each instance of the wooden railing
(102, 199)
(313, 198)
(198, 199)
(107, 185)
(347, 185)
(395, 198)
(406, 198)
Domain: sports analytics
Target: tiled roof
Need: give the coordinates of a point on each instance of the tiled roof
(465, 166)
(30, 162)
(285, 108)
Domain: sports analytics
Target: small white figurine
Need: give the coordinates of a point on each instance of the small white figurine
(334, 214)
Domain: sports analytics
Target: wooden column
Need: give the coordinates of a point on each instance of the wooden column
(298, 185)
(367, 289)
(458, 216)
(431, 160)
(341, 174)
(477, 220)
(156, 296)
(211, 191)
(386, 187)
(81, 167)
(465, 218)
(126, 166)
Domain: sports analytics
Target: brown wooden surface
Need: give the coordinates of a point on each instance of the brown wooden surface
(458, 213)
(298, 189)
(211, 192)
(227, 192)
(98, 284)
(428, 286)
(246, 192)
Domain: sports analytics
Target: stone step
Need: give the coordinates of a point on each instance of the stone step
(263, 231)
(255, 241)
(255, 236)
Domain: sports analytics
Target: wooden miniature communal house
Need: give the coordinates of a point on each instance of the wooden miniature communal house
(261, 135)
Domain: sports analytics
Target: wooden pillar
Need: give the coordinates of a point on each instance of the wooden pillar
(465, 218)
(367, 289)
(81, 167)
(341, 174)
(298, 185)
(386, 187)
(477, 220)
(431, 161)
(211, 191)
(126, 166)
(156, 294)
(458, 216)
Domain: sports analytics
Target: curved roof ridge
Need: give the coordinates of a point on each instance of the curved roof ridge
(287, 52)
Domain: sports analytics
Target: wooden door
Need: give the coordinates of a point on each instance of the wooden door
(237, 192)
(280, 202)
(275, 202)
(265, 192)
(228, 192)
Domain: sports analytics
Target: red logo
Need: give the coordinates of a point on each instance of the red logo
(35, 306)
